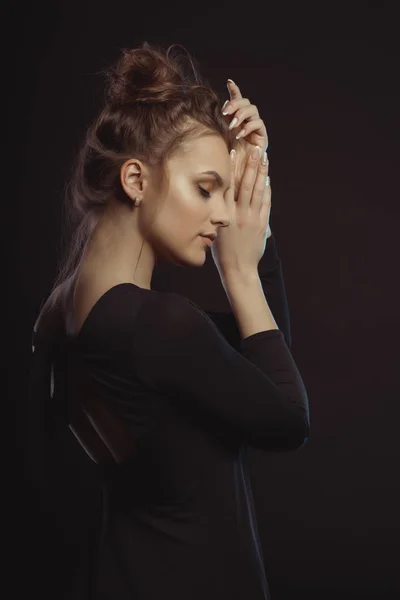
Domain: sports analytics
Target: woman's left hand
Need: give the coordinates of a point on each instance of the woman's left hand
(245, 119)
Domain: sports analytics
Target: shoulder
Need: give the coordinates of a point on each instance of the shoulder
(175, 304)
(171, 308)
(125, 313)
(169, 320)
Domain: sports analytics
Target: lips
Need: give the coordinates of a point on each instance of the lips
(207, 240)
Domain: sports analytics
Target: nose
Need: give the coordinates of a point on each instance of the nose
(222, 217)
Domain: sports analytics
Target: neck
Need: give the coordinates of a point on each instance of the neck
(118, 250)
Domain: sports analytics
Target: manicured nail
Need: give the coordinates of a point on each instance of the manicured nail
(233, 123)
(233, 154)
(225, 103)
(256, 153)
(231, 81)
(264, 160)
(240, 133)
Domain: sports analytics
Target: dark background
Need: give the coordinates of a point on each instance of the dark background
(329, 513)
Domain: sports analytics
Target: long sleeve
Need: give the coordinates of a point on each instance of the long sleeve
(272, 281)
(256, 394)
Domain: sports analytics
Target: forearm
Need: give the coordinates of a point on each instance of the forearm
(270, 271)
(248, 302)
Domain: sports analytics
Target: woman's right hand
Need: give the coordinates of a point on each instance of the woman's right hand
(239, 246)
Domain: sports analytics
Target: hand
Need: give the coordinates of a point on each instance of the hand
(248, 125)
(240, 246)
(251, 128)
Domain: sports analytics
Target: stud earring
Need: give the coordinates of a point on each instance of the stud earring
(137, 201)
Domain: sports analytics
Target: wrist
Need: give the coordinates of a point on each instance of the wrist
(240, 277)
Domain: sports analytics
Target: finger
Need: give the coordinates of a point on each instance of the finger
(230, 192)
(257, 126)
(234, 90)
(248, 178)
(266, 201)
(232, 106)
(248, 112)
(265, 211)
(259, 190)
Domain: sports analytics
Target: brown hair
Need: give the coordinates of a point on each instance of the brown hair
(153, 103)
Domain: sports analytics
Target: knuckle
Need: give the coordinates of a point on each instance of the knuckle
(259, 189)
(246, 188)
(239, 113)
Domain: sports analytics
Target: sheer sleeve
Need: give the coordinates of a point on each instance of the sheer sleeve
(257, 393)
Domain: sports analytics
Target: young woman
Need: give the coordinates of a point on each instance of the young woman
(161, 396)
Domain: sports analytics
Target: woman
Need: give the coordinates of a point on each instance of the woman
(147, 381)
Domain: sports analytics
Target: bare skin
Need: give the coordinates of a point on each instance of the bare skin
(169, 227)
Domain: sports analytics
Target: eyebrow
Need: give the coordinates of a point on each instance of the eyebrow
(217, 176)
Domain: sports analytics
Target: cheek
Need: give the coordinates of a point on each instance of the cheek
(184, 214)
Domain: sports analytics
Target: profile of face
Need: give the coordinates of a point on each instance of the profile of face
(194, 203)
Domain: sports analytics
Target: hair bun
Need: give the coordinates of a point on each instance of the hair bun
(146, 74)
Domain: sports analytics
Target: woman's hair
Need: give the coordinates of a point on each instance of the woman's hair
(153, 104)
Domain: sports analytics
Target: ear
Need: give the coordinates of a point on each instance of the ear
(134, 178)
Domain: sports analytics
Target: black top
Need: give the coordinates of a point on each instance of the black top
(180, 516)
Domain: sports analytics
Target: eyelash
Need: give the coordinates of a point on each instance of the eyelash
(204, 192)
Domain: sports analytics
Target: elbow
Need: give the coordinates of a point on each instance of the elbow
(300, 432)
(285, 438)
(298, 442)
(294, 435)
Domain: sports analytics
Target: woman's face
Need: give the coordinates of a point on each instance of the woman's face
(194, 203)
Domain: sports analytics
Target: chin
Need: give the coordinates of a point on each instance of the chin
(196, 258)
(189, 263)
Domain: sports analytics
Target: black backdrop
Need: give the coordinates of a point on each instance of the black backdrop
(328, 514)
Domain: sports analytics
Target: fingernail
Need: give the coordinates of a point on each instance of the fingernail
(240, 133)
(225, 103)
(264, 160)
(233, 154)
(231, 81)
(233, 123)
(256, 153)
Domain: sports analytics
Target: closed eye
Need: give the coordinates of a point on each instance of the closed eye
(204, 192)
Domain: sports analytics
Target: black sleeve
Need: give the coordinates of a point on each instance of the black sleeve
(273, 284)
(258, 394)
(271, 277)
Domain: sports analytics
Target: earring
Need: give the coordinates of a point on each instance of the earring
(136, 201)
